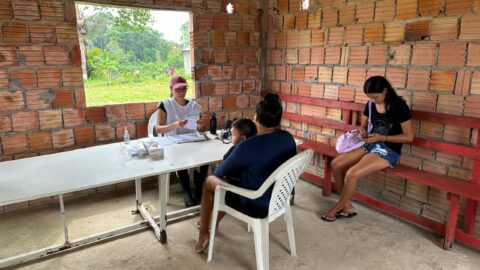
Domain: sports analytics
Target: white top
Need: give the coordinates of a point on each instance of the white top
(177, 112)
(49, 175)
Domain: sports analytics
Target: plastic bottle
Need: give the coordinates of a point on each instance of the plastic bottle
(213, 124)
(126, 136)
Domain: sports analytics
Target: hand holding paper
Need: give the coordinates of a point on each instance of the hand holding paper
(192, 120)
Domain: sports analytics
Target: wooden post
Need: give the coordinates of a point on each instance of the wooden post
(451, 221)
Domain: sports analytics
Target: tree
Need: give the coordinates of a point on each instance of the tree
(185, 36)
(133, 19)
(107, 64)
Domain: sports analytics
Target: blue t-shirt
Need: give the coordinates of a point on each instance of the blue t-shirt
(256, 158)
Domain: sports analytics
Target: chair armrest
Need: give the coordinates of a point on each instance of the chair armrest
(251, 194)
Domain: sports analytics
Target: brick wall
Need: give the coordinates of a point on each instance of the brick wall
(42, 99)
(428, 49)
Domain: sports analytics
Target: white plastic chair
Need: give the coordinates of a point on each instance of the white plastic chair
(150, 127)
(284, 177)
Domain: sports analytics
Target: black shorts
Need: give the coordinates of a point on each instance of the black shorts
(249, 209)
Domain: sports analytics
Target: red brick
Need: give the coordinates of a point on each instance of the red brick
(241, 72)
(200, 39)
(56, 55)
(8, 56)
(394, 32)
(249, 56)
(229, 103)
(42, 33)
(235, 55)
(317, 56)
(473, 56)
(135, 111)
(142, 128)
(72, 76)
(242, 101)
(442, 80)
(429, 7)
(470, 27)
(346, 15)
(248, 86)
(365, 12)
(472, 106)
(335, 36)
(104, 132)
(377, 55)
(66, 34)
(399, 55)
(376, 72)
(292, 39)
(318, 37)
(51, 119)
(444, 28)
(204, 22)
(373, 32)
(215, 104)
(73, 117)
(76, 56)
(220, 22)
(304, 38)
(120, 130)
(340, 75)
(330, 17)
(456, 134)
(14, 143)
(397, 77)
(316, 90)
(31, 55)
(11, 101)
(16, 32)
(418, 79)
(476, 6)
(24, 121)
(254, 73)
(423, 54)
(314, 19)
(51, 11)
(462, 84)
(3, 79)
(63, 138)
(331, 92)
(301, 21)
(304, 56)
(311, 73)
(234, 23)
(38, 99)
(243, 38)
(475, 88)
(325, 74)
(419, 30)
(356, 76)
(25, 9)
(49, 77)
(218, 39)
(346, 93)
(235, 87)
(116, 113)
(84, 135)
(292, 56)
(450, 104)
(332, 55)
(231, 39)
(354, 34)
(384, 10)
(424, 101)
(40, 140)
(23, 78)
(96, 114)
(303, 89)
(458, 7)
(451, 54)
(79, 97)
(5, 11)
(286, 88)
(358, 55)
(406, 9)
(249, 23)
(215, 72)
(228, 72)
(298, 73)
(5, 122)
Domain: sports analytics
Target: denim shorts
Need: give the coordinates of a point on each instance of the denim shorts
(383, 151)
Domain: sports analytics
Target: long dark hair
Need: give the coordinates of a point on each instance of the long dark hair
(269, 111)
(377, 84)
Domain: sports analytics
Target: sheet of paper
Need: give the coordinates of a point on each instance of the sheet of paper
(192, 120)
(194, 137)
(162, 141)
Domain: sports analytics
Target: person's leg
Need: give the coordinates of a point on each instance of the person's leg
(370, 163)
(339, 165)
(199, 179)
(206, 208)
(185, 183)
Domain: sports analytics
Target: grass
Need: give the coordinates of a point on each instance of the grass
(100, 93)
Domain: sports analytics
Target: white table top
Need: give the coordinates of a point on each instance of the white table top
(37, 177)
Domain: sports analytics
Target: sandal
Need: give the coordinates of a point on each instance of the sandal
(345, 214)
(328, 218)
(203, 247)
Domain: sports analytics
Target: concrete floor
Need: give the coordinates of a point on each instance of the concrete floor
(371, 240)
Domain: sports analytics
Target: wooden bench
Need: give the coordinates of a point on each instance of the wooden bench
(454, 187)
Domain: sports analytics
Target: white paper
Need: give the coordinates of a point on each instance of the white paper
(162, 141)
(192, 120)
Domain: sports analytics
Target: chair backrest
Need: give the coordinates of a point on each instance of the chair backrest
(285, 178)
(151, 123)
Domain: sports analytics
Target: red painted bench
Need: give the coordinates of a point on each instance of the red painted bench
(455, 187)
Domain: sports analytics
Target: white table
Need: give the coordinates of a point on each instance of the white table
(60, 173)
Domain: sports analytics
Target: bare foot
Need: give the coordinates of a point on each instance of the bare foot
(202, 243)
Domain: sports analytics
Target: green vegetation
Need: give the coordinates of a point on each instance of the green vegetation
(126, 59)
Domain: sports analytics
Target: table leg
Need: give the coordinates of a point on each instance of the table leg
(162, 190)
(138, 195)
(64, 219)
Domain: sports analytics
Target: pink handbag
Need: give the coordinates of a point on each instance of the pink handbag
(352, 140)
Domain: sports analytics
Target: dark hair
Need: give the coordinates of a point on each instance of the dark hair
(269, 110)
(245, 127)
(377, 84)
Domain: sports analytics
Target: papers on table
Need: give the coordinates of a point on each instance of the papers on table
(192, 120)
(162, 141)
(185, 138)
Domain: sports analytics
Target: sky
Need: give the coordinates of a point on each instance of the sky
(167, 22)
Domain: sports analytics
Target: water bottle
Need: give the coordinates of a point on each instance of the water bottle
(213, 125)
(126, 136)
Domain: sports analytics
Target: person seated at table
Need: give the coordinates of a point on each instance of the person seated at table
(255, 159)
(390, 125)
(172, 120)
(242, 129)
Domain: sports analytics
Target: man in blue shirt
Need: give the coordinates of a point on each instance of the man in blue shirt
(255, 159)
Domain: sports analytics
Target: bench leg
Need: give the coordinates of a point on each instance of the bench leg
(451, 221)
(470, 214)
(327, 180)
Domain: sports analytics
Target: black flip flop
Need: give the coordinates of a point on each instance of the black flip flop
(345, 214)
(327, 218)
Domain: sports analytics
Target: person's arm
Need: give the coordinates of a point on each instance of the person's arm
(363, 126)
(163, 127)
(235, 161)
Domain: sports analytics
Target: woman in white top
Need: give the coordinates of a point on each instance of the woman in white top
(172, 120)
